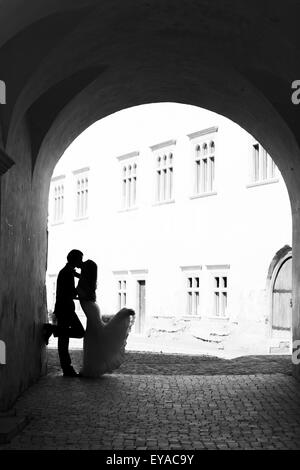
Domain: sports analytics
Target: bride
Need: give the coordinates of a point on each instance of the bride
(104, 343)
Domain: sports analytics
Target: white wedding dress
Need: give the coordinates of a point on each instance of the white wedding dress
(104, 343)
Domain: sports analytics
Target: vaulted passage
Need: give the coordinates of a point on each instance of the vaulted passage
(68, 63)
(183, 214)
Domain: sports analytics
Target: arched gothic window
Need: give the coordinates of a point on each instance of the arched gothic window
(82, 195)
(164, 178)
(2, 92)
(129, 182)
(193, 294)
(204, 164)
(58, 206)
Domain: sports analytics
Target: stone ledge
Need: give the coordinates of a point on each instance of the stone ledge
(10, 426)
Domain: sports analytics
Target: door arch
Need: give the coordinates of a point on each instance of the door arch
(281, 303)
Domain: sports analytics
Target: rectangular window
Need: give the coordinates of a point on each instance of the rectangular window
(129, 183)
(263, 167)
(163, 169)
(122, 293)
(204, 178)
(220, 295)
(193, 295)
(82, 195)
(164, 178)
(58, 202)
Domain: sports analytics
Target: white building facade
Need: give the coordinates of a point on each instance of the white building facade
(192, 231)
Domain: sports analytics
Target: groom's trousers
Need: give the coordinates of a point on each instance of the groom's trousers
(68, 326)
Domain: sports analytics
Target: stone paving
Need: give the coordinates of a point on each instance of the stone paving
(144, 363)
(165, 401)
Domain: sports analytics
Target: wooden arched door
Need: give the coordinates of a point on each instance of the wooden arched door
(282, 300)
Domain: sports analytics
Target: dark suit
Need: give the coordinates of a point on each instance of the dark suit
(68, 324)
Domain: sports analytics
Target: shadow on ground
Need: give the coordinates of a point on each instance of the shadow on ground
(148, 363)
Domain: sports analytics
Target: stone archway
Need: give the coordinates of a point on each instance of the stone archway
(67, 64)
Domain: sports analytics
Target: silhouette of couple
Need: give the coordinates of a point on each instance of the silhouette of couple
(104, 343)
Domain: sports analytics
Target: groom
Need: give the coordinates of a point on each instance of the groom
(68, 324)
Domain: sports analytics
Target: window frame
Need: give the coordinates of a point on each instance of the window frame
(129, 163)
(164, 172)
(192, 272)
(222, 271)
(203, 162)
(79, 214)
(58, 181)
(263, 169)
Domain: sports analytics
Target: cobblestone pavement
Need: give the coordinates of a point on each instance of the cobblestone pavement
(165, 401)
(142, 363)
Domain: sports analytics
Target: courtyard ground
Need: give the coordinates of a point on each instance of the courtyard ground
(165, 401)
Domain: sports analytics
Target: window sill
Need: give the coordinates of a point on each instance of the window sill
(78, 219)
(214, 317)
(128, 209)
(197, 196)
(161, 203)
(57, 223)
(262, 183)
(191, 317)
